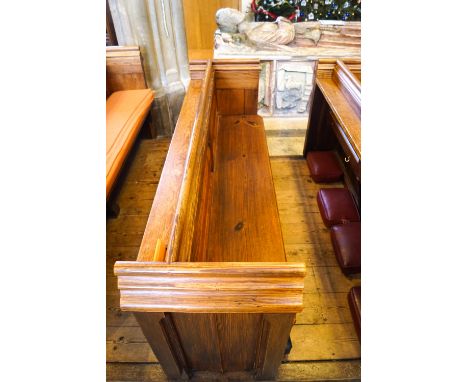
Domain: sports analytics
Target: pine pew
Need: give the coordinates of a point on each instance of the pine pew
(127, 107)
(211, 288)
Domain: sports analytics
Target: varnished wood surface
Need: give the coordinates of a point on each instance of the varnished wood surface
(200, 23)
(173, 210)
(325, 346)
(347, 116)
(200, 54)
(224, 287)
(150, 287)
(188, 213)
(160, 220)
(124, 70)
(349, 83)
(244, 218)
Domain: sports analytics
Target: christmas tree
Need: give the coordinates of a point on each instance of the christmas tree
(307, 10)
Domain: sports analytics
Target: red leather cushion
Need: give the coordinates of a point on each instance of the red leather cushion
(346, 240)
(354, 300)
(336, 206)
(324, 166)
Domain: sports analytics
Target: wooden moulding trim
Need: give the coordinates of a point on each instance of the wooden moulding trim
(215, 287)
(326, 66)
(349, 84)
(197, 69)
(197, 136)
(237, 74)
(122, 51)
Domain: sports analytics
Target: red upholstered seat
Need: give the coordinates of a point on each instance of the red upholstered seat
(346, 240)
(354, 301)
(125, 113)
(324, 166)
(336, 206)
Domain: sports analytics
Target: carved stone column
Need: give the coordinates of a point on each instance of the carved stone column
(158, 28)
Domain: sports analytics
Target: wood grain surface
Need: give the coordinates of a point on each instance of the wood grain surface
(123, 69)
(164, 205)
(244, 217)
(209, 287)
(200, 23)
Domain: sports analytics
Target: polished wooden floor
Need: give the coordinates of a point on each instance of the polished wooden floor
(325, 346)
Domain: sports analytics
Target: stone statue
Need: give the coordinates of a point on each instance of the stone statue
(266, 35)
(228, 19)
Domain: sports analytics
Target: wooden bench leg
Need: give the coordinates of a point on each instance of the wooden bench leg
(274, 336)
(149, 128)
(112, 210)
(288, 348)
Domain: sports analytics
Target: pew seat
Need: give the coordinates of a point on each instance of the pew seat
(346, 240)
(336, 206)
(126, 111)
(324, 166)
(354, 301)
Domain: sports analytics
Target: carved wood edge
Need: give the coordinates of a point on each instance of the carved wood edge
(212, 287)
(197, 136)
(349, 84)
(325, 66)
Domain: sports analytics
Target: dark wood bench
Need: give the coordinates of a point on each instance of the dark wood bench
(335, 118)
(127, 107)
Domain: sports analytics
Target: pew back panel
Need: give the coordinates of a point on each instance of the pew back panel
(124, 70)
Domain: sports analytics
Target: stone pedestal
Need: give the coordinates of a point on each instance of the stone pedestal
(287, 76)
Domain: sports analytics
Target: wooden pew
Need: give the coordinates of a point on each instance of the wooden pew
(335, 117)
(127, 107)
(211, 288)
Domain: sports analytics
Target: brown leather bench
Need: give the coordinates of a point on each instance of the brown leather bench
(125, 113)
(127, 107)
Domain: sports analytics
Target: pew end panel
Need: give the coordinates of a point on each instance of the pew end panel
(211, 288)
(214, 316)
(124, 71)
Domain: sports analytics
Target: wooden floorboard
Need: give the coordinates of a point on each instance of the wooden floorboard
(325, 345)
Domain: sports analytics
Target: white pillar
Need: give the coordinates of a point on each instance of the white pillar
(157, 27)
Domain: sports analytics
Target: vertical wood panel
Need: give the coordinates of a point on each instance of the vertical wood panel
(250, 101)
(199, 338)
(274, 336)
(200, 23)
(163, 343)
(231, 101)
(238, 334)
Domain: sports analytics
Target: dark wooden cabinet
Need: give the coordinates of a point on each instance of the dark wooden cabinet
(335, 118)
